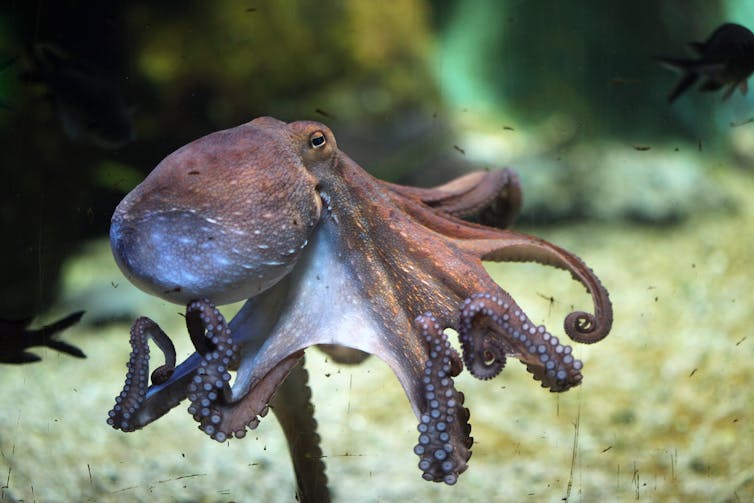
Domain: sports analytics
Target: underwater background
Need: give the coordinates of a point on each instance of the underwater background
(656, 197)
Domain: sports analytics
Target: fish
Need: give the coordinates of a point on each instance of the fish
(725, 58)
(16, 338)
(89, 103)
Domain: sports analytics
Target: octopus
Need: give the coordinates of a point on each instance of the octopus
(326, 255)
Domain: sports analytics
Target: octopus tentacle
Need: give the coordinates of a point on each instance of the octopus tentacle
(210, 383)
(484, 357)
(295, 412)
(209, 390)
(196, 325)
(491, 198)
(580, 326)
(492, 325)
(586, 328)
(134, 392)
(502, 245)
(444, 430)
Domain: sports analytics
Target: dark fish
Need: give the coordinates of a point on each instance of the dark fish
(16, 337)
(725, 58)
(89, 103)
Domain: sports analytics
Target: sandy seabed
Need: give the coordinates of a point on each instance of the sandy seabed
(665, 413)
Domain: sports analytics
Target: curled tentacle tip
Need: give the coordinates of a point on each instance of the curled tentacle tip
(483, 356)
(586, 328)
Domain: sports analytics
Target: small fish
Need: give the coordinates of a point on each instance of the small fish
(725, 58)
(16, 337)
(89, 103)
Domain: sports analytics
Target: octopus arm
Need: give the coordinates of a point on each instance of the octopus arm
(144, 403)
(444, 431)
(133, 407)
(492, 326)
(500, 245)
(293, 408)
(225, 419)
(491, 198)
(580, 326)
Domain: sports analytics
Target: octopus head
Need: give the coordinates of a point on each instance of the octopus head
(226, 216)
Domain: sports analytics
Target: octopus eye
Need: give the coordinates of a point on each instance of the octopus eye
(317, 139)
